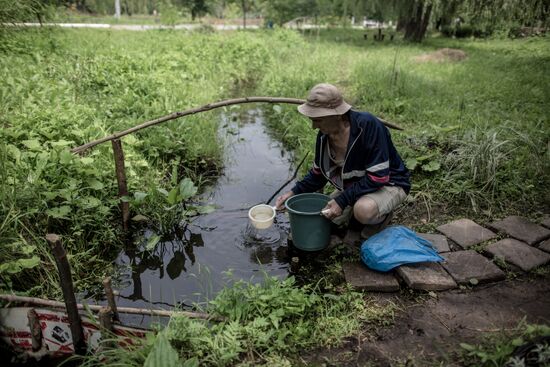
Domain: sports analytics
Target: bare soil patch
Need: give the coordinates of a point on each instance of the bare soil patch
(442, 55)
(429, 328)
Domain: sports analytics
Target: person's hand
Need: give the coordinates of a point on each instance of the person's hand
(332, 210)
(280, 202)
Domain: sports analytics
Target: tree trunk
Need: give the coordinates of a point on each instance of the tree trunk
(243, 4)
(421, 31)
(418, 21)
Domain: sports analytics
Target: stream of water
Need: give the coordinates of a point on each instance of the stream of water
(192, 268)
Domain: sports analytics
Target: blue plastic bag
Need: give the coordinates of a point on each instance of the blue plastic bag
(395, 246)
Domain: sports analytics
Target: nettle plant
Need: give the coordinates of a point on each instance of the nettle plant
(167, 208)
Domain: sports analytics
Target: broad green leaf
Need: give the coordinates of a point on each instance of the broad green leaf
(87, 160)
(130, 140)
(411, 163)
(65, 157)
(431, 166)
(190, 213)
(172, 197)
(163, 192)
(61, 143)
(89, 202)
(162, 354)
(206, 209)
(467, 347)
(95, 184)
(32, 144)
(14, 152)
(152, 242)
(277, 108)
(187, 188)
(26, 249)
(424, 157)
(140, 218)
(18, 265)
(59, 212)
(139, 196)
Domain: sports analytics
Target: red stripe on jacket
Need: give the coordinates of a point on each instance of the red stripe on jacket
(383, 179)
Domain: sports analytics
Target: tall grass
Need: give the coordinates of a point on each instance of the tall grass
(477, 131)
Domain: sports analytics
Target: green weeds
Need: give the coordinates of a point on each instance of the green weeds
(524, 345)
(264, 323)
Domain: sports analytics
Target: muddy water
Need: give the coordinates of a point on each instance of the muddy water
(191, 266)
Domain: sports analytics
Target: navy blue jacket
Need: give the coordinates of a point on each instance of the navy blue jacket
(371, 162)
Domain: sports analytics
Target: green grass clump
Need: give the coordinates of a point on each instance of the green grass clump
(499, 349)
(263, 323)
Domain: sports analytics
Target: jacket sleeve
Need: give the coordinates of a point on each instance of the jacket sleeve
(377, 165)
(314, 180)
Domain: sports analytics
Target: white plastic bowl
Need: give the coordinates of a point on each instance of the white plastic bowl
(261, 216)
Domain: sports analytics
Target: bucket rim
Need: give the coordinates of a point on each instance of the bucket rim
(273, 214)
(296, 198)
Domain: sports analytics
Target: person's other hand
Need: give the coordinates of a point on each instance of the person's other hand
(280, 202)
(332, 210)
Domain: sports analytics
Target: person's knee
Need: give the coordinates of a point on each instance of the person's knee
(365, 211)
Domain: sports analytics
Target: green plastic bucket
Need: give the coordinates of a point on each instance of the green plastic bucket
(310, 230)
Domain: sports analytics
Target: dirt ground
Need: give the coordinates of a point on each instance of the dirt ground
(428, 328)
(442, 55)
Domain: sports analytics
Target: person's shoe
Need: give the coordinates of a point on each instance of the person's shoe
(372, 229)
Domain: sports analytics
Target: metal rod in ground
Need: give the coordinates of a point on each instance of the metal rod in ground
(118, 154)
(66, 280)
(36, 330)
(110, 297)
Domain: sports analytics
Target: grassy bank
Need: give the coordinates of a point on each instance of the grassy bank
(476, 140)
(477, 130)
(64, 88)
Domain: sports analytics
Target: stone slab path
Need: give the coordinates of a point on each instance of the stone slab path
(363, 278)
(438, 240)
(466, 233)
(426, 276)
(545, 246)
(521, 229)
(470, 267)
(546, 222)
(518, 253)
(465, 267)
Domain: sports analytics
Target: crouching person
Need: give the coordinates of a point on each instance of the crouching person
(355, 154)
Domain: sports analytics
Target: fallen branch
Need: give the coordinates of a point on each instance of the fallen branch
(127, 310)
(208, 107)
(289, 180)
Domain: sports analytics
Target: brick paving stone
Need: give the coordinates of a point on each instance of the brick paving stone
(465, 232)
(522, 229)
(545, 246)
(363, 278)
(466, 265)
(438, 240)
(427, 276)
(518, 253)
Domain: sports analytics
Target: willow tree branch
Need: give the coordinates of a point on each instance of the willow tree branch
(289, 180)
(208, 107)
(175, 115)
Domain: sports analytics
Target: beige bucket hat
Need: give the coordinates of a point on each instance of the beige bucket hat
(324, 100)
